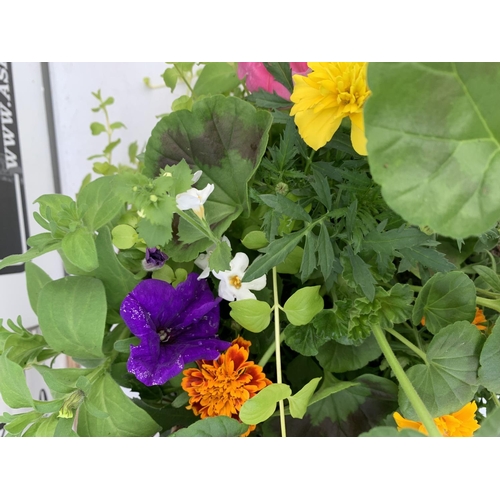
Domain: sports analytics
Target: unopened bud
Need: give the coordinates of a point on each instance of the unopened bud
(153, 198)
(282, 188)
(71, 403)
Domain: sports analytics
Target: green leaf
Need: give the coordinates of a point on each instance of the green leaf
(490, 361)
(490, 276)
(97, 128)
(254, 240)
(259, 408)
(116, 125)
(355, 409)
(124, 236)
(56, 202)
(182, 102)
(325, 252)
(123, 345)
(338, 358)
(216, 78)
(62, 380)
(449, 380)
(213, 427)
(72, 316)
(112, 145)
(428, 257)
(361, 274)
(153, 235)
(224, 137)
(281, 72)
(291, 264)
(13, 386)
(490, 426)
(303, 305)
(308, 264)
(118, 281)
(385, 431)
(263, 99)
(254, 315)
(285, 206)
(300, 401)
(446, 112)
(21, 420)
(306, 339)
(11, 260)
(445, 299)
(36, 279)
(124, 418)
(220, 258)
(64, 428)
(276, 253)
(100, 202)
(79, 248)
(170, 76)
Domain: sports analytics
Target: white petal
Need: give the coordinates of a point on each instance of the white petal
(226, 291)
(202, 261)
(204, 274)
(239, 264)
(188, 200)
(257, 284)
(205, 193)
(196, 176)
(243, 293)
(226, 239)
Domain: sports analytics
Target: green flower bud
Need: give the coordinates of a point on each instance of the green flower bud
(282, 188)
(71, 403)
(153, 198)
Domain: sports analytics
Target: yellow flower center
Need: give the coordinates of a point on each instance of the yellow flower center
(235, 281)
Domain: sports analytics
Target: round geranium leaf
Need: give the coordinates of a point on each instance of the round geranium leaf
(433, 135)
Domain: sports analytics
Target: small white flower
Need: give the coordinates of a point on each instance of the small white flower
(193, 199)
(202, 259)
(231, 286)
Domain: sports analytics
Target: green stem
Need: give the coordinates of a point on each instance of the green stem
(416, 288)
(404, 381)
(492, 295)
(197, 223)
(270, 351)
(492, 304)
(109, 131)
(309, 162)
(493, 262)
(495, 399)
(277, 342)
(407, 343)
(181, 74)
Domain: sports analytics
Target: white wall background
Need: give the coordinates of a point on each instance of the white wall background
(136, 105)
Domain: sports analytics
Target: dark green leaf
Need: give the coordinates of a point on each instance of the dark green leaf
(213, 427)
(445, 299)
(490, 427)
(281, 72)
(285, 206)
(361, 274)
(490, 361)
(308, 264)
(325, 252)
(263, 99)
(449, 380)
(490, 276)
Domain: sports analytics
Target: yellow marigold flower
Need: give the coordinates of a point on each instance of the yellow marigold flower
(462, 423)
(478, 319)
(221, 386)
(329, 93)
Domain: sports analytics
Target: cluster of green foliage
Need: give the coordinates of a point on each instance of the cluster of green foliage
(345, 243)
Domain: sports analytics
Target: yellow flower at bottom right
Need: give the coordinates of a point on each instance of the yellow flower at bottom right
(462, 423)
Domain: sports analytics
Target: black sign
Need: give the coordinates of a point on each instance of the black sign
(13, 220)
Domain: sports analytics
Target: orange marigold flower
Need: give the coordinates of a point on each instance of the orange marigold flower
(221, 386)
(478, 319)
(462, 423)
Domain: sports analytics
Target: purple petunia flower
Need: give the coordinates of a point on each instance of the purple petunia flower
(154, 259)
(175, 325)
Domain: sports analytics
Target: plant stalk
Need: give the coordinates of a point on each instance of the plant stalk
(277, 342)
(406, 385)
(407, 343)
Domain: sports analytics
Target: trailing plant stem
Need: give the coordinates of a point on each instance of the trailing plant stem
(492, 304)
(407, 343)
(277, 342)
(404, 381)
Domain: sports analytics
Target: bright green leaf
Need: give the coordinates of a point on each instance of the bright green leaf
(216, 78)
(213, 427)
(300, 401)
(263, 404)
(124, 236)
(303, 305)
(79, 249)
(254, 315)
(97, 128)
(36, 279)
(13, 386)
(254, 240)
